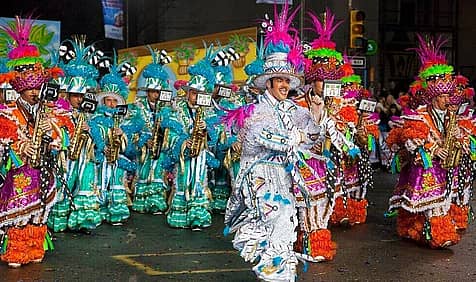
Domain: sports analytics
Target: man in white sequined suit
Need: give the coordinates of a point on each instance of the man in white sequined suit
(261, 209)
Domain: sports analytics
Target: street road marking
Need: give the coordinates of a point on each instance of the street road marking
(129, 259)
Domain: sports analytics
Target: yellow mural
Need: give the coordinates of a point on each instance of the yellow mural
(144, 58)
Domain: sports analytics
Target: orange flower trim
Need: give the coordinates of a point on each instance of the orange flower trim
(318, 243)
(410, 225)
(468, 124)
(56, 72)
(20, 182)
(372, 129)
(415, 130)
(66, 121)
(349, 114)
(340, 212)
(459, 216)
(395, 137)
(357, 210)
(428, 181)
(321, 244)
(25, 244)
(8, 129)
(348, 70)
(442, 230)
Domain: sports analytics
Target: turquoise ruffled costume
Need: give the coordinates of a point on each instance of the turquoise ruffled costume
(151, 190)
(110, 177)
(190, 206)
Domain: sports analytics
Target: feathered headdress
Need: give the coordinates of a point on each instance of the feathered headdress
(256, 67)
(282, 48)
(436, 75)
(202, 75)
(222, 58)
(116, 83)
(352, 87)
(156, 77)
(81, 74)
(26, 65)
(323, 61)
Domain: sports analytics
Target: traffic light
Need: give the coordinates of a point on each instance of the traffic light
(357, 30)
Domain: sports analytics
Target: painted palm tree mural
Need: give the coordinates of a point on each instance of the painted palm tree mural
(44, 34)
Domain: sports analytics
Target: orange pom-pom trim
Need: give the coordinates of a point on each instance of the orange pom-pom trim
(415, 130)
(442, 230)
(25, 244)
(410, 225)
(357, 210)
(395, 137)
(340, 212)
(56, 72)
(349, 114)
(321, 244)
(459, 214)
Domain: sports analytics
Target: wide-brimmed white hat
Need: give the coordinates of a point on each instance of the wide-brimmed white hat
(277, 65)
(111, 90)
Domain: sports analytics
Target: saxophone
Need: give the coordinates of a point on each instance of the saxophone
(79, 139)
(198, 136)
(157, 137)
(113, 142)
(37, 138)
(451, 144)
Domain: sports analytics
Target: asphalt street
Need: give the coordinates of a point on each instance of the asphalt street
(146, 249)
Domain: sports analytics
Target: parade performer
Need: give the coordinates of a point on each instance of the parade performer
(322, 62)
(361, 128)
(430, 137)
(81, 77)
(151, 189)
(32, 132)
(110, 140)
(461, 211)
(261, 210)
(226, 151)
(190, 206)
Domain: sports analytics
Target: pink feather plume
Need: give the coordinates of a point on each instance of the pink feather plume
(324, 30)
(20, 33)
(430, 52)
(237, 116)
(281, 26)
(296, 55)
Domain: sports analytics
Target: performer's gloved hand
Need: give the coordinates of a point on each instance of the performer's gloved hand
(85, 127)
(45, 125)
(236, 147)
(188, 143)
(441, 153)
(28, 149)
(317, 108)
(202, 125)
(149, 144)
(118, 132)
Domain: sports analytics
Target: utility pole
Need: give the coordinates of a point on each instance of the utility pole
(301, 19)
